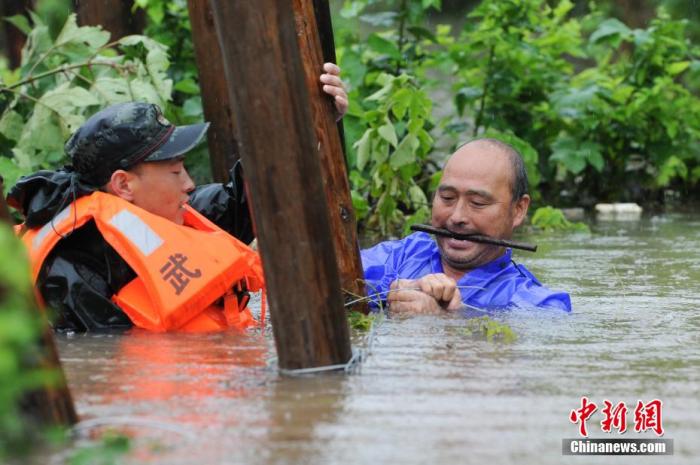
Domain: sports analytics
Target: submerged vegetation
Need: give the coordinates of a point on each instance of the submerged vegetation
(361, 322)
(489, 329)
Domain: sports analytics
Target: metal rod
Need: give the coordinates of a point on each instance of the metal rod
(474, 238)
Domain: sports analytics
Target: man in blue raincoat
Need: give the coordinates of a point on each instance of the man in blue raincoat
(483, 191)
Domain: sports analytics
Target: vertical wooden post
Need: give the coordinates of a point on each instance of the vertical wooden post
(271, 105)
(14, 37)
(223, 147)
(114, 16)
(52, 404)
(330, 149)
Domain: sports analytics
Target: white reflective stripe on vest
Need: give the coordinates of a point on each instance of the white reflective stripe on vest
(50, 226)
(138, 232)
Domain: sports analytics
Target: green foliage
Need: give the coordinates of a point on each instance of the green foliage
(489, 329)
(168, 22)
(61, 82)
(390, 116)
(359, 321)
(20, 330)
(390, 153)
(618, 126)
(629, 124)
(553, 219)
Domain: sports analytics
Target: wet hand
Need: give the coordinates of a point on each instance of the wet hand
(333, 86)
(406, 298)
(443, 289)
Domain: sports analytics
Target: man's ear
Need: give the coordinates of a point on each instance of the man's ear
(520, 210)
(121, 184)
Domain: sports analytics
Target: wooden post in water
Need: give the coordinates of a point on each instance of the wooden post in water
(223, 147)
(52, 404)
(114, 16)
(330, 149)
(270, 97)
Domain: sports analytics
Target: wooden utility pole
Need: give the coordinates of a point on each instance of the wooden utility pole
(270, 97)
(330, 150)
(51, 404)
(223, 147)
(114, 16)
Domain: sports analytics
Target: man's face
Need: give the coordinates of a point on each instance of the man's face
(162, 188)
(474, 197)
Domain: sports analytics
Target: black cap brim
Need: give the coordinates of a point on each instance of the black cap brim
(182, 140)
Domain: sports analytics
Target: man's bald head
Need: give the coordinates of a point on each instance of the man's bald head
(518, 175)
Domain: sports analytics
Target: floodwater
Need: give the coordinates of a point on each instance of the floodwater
(428, 393)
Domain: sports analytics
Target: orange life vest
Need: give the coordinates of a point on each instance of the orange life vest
(185, 274)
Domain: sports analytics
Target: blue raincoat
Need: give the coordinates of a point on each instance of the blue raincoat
(499, 284)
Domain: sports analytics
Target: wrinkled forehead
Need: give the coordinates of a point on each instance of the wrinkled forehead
(478, 166)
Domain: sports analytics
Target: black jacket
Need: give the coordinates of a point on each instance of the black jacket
(79, 277)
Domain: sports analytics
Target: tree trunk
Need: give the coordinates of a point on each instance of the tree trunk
(114, 16)
(14, 38)
(223, 147)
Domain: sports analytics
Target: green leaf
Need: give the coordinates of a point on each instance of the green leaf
(437, 4)
(591, 151)
(388, 133)
(156, 12)
(381, 93)
(359, 204)
(401, 100)
(363, 149)
(68, 102)
(422, 33)
(610, 29)
(192, 108)
(383, 46)
(677, 68)
(20, 22)
(112, 90)
(673, 167)
(93, 37)
(386, 206)
(11, 125)
(417, 195)
(143, 90)
(565, 151)
(405, 153)
(10, 171)
(187, 86)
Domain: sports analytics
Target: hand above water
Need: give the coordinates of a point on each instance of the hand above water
(333, 86)
(429, 295)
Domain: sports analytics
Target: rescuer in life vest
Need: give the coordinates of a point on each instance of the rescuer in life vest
(122, 238)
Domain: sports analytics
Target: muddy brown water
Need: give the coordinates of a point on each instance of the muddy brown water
(428, 393)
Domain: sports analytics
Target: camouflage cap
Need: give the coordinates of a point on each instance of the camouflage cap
(124, 135)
